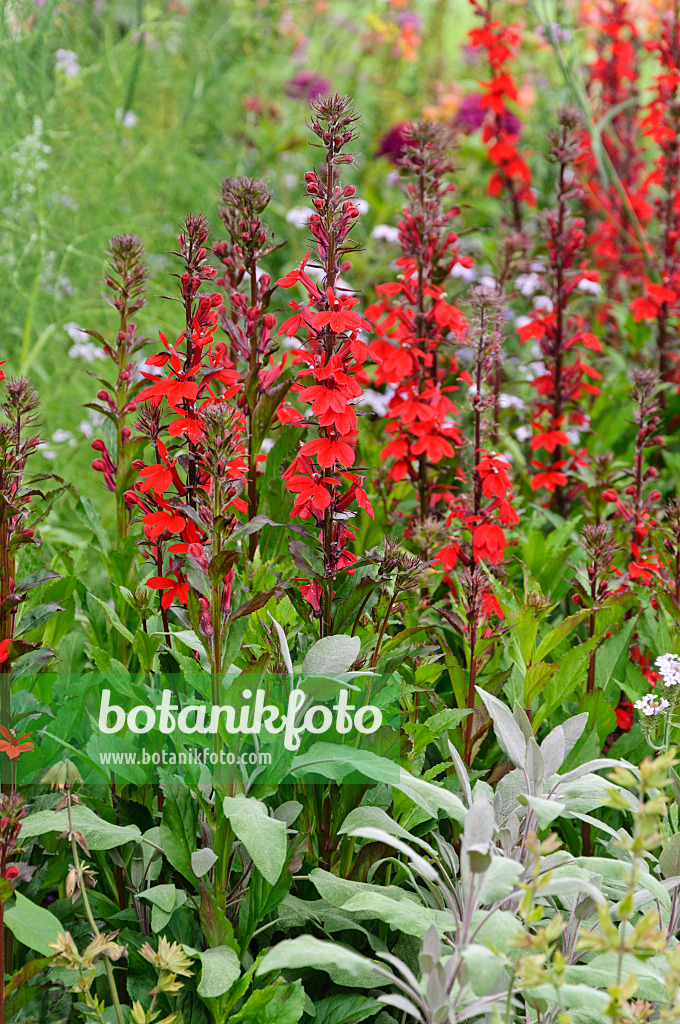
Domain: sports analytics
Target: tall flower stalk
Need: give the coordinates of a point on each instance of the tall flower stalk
(413, 320)
(333, 355)
(126, 278)
(247, 323)
(560, 332)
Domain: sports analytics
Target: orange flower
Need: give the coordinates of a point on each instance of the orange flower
(13, 745)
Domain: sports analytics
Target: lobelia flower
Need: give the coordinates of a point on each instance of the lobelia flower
(566, 378)
(332, 355)
(412, 318)
(500, 127)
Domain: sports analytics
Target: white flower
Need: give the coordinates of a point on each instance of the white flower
(543, 302)
(128, 118)
(488, 282)
(464, 273)
(298, 216)
(649, 705)
(523, 433)
(510, 401)
(523, 321)
(86, 350)
(67, 61)
(386, 233)
(76, 332)
(669, 668)
(376, 401)
(361, 205)
(86, 428)
(527, 284)
(59, 436)
(589, 287)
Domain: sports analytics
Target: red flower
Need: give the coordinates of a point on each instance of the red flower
(4, 650)
(312, 491)
(157, 477)
(340, 316)
(549, 439)
(488, 542)
(644, 570)
(492, 470)
(177, 588)
(13, 745)
(157, 523)
(624, 715)
(329, 451)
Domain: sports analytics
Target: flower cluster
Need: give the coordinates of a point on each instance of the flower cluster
(485, 508)
(247, 323)
(321, 476)
(126, 278)
(500, 131)
(561, 334)
(661, 124)
(193, 487)
(614, 175)
(414, 321)
(12, 811)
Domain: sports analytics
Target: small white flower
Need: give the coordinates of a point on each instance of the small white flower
(649, 705)
(589, 287)
(76, 332)
(523, 433)
(464, 273)
(46, 452)
(376, 401)
(361, 205)
(67, 61)
(523, 321)
(506, 401)
(298, 216)
(127, 118)
(386, 233)
(527, 284)
(543, 302)
(267, 445)
(668, 666)
(488, 282)
(60, 436)
(86, 428)
(86, 350)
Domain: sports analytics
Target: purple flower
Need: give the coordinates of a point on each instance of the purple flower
(307, 85)
(471, 115)
(393, 143)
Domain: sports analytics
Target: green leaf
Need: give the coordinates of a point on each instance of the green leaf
(178, 828)
(100, 834)
(112, 615)
(403, 915)
(306, 951)
(30, 663)
(34, 579)
(263, 837)
(280, 1003)
(345, 1009)
(202, 861)
(545, 810)
(559, 633)
(331, 654)
(33, 925)
(36, 617)
(220, 968)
